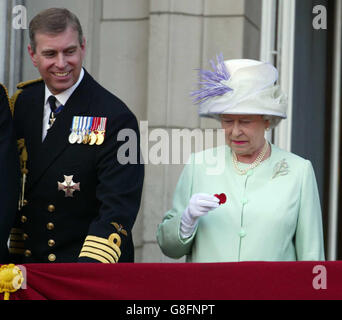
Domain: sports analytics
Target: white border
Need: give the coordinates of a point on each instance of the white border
(3, 37)
(336, 129)
(285, 65)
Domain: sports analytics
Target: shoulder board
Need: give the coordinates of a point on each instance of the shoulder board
(14, 99)
(5, 89)
(27, 83)
(20, 87)
(8, 98)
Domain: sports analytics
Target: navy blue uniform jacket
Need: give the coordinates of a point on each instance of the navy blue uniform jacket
(56, 228)
(9, 174)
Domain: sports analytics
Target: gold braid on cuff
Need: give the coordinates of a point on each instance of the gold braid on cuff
(101, 249)
(17, 244)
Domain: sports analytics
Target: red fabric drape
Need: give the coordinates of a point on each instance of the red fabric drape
(180, 281)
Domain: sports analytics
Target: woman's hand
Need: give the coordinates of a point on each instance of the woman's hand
(200, 204)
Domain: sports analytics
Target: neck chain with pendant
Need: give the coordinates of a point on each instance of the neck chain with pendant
(255, 163)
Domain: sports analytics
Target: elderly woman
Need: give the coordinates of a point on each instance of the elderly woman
(272, 212)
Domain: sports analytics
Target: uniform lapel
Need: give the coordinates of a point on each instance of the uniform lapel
(37, 114)
(56, 140)
(35, 125)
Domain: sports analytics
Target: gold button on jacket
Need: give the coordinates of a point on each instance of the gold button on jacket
(51, 243)
(51, 208)
(50, 226)
(52, 257)
(28, 253)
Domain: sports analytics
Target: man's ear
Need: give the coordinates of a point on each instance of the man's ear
(83, 47)
(32, 55)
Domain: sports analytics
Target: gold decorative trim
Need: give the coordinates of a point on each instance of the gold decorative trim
(11, 279)
(102, 249)
(8, 97)
(17, 244)
(16, 237)
(20, 87)
(26, 83)
(108, 242)
(90, 249)
(16, 231)
(95, 247)
(16, 251)
(119, 228)
(93, 256)
(14, 98)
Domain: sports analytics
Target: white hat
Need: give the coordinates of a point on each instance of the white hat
(240, 86)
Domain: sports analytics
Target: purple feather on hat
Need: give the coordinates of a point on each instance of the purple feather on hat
(211, 81)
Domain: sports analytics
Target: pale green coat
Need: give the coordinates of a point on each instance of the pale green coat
(272, 213)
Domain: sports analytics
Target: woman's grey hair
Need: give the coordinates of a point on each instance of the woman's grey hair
(273, 120)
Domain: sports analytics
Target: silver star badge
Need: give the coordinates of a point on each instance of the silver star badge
(68, 186)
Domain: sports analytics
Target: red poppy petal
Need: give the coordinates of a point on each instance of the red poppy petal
(222, 197)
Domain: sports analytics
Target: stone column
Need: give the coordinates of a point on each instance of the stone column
(123, 66)
(3, 39)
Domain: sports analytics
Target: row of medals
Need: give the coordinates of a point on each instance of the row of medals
(86, 136)
(95, 137)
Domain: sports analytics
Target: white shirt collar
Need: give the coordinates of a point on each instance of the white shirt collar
(63, 97)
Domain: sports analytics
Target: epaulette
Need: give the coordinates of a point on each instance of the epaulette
(27, 83)
(8, 98)
(20, 87)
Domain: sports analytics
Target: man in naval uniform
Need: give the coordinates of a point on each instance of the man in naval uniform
(9, 174)
(81, 200)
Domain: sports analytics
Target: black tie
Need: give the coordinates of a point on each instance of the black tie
(54, 110)
(52, 101)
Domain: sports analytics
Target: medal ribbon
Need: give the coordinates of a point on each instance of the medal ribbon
(84, 124)
(103, 125)
(80, 124)
(89, 124)
(75, 122)
(95, 124)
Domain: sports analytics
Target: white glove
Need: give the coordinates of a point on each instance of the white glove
(200, 204)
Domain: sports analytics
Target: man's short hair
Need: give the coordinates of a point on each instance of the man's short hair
(54, 21)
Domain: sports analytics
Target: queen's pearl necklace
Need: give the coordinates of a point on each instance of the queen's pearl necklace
(255, 163)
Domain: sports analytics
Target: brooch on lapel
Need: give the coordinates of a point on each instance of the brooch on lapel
(68, 186)
(280, 169)
(88, 130)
